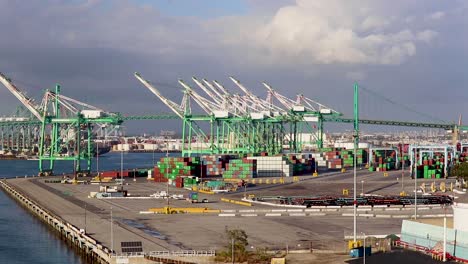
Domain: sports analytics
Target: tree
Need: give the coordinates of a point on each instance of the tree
(240, 239)
(461, 170)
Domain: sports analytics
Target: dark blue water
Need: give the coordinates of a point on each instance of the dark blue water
(23, 238)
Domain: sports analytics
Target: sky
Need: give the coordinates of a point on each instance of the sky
(414, 53)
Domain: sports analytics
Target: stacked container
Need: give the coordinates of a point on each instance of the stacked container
(334, 160)
(431, 168)
(320, 159)
(179, 182)
(214, 165)
(241, 169)
(273, 166)
(302, 163)
(190, 181)
(348, 158)
(171, 167)
(384, 160)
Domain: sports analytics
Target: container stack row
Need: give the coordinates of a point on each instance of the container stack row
(241, 169)
(383, 160)
(214, 165)
(431, 168)
(334, 160)
(273, 166)
(171, 167)
(302, 163)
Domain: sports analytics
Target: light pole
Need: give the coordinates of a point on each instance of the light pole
(85, 218)
(97, 158)
(402, 168)
(112, 231)
(415, 186)
(362, 187)
(166, 134)
(232, 249)
(152, 144)
(445, 234)
(121, 167)
(356, 144)
(364, 248)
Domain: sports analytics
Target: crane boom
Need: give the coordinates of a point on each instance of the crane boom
(211, 94)
(207, 83)
(286, 102)
(173, 106)
(26, 101)
(204, 103)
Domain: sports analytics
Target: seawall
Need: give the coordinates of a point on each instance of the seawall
(89, 248)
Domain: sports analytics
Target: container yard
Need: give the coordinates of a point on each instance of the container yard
(135, 217)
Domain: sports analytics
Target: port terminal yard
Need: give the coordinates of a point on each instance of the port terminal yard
(268, 225)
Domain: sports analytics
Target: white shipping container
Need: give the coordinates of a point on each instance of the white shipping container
(221, 114)
(298, 108)
(91, 113)
(311, 118)
(257, 116)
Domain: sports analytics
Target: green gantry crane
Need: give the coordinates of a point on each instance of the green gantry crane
(66, 127)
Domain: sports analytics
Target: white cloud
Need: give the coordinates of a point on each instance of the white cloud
(427, 35)
(374, 23)
(437, 15)
(329, 32)
(302, 33)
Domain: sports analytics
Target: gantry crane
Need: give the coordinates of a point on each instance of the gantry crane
(66, 127)
(307, 109)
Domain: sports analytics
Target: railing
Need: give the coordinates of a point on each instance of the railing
(129, 255)
(183, 253)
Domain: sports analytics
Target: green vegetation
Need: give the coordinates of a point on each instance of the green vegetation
(237, 239)
(461, 170)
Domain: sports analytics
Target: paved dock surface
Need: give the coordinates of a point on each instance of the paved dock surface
(204, 232)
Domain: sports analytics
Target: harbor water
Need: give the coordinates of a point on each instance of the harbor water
(23, 238)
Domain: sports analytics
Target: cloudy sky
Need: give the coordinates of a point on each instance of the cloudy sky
(413, 52)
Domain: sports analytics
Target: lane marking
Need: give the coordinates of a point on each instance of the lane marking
(272, 214)
(226, 214)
